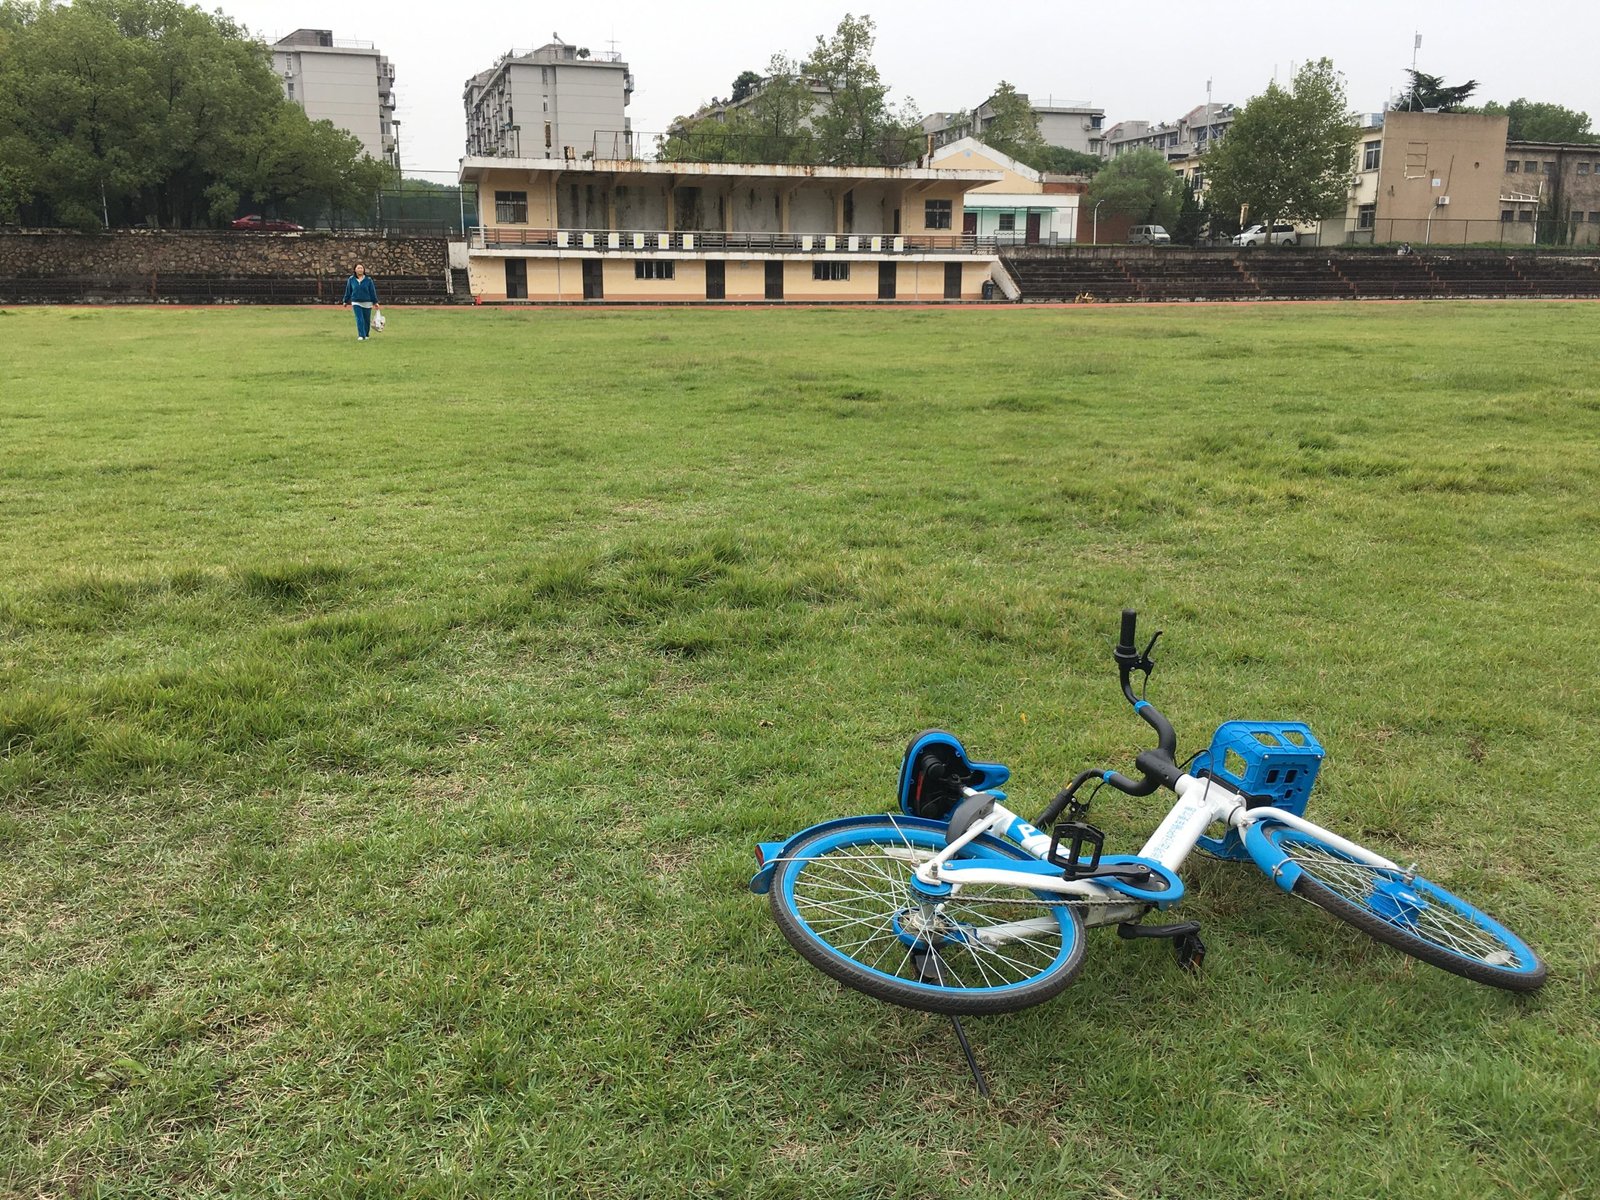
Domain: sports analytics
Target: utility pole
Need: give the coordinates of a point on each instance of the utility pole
(1416, 44)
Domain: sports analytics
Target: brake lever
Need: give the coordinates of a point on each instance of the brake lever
(1144, 662)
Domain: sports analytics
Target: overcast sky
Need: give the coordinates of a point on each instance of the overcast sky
(1146, 61)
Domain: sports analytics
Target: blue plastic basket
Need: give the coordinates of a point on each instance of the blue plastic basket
(1273, 762)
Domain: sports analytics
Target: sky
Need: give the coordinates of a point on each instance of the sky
(1149, 61)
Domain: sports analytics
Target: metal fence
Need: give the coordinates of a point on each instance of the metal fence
(1522, 230)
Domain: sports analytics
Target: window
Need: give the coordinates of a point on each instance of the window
(1367, 216)
(1369, 158)
(511, 208)
(1549, 168)
(936, 214)
(1511, 166)
(1530, 167)
(1008, 222)
(654, 268)
(835, 270)
(1525, 215)
(1416, 160)
(1583, 168)
(1507, 215)
(1594, 218)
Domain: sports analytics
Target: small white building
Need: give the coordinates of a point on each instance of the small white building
(1016, 210)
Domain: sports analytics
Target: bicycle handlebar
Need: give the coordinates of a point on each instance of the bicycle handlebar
(1158, 767)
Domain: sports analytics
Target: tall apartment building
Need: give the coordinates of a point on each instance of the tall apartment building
(1178, 140)
(346, 82)
(559, 101)
(1070, 126)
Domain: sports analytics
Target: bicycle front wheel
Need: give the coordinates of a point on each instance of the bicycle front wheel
(844, 900)
(1408, 912)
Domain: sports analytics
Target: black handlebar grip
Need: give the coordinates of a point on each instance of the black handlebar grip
(1130, 619)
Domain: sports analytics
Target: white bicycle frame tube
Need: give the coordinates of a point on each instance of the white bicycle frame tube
(1201, 803)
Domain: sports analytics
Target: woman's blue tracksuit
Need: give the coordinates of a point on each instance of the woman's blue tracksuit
(361, 294)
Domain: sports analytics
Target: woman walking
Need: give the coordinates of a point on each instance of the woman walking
(361, 294)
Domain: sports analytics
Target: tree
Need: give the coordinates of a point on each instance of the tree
(778, 118)
(1288, 154)
(744, 85)
(145, 110)
(1191, 217)
(1431, 92)
(773, 125)
(1060, 160)
(1533, 121)
(1013, 126)
(1137, 185)
(856, 124)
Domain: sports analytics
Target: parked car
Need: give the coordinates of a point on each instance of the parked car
(1282, 235)
(267, 224)
(1148, 235)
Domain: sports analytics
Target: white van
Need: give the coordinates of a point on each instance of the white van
(1149, 235)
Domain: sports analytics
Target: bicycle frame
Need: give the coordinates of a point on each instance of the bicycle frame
(1201, 803)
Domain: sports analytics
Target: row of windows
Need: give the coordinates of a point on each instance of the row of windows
(666, 268)
(1533, 167)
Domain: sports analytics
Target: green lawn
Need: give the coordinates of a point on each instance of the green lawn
(385, 729)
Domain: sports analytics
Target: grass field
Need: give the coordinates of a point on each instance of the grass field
(385, 730)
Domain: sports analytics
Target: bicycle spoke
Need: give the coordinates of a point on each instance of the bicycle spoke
(1430, 920)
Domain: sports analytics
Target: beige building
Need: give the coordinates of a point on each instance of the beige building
(624, 230)
(1432, 179)
(345, 82)
(559, 101)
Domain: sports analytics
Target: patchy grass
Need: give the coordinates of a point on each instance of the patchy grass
(384, 729)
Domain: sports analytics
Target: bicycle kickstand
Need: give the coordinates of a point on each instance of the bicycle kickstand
(929, 967)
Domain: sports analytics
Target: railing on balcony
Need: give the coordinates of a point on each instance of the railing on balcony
(638, 240)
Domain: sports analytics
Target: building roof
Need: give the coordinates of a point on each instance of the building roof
(971, 145)
(475, 167)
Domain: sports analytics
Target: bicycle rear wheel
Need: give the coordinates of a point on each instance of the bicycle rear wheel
(844, 900)
(1410, 913)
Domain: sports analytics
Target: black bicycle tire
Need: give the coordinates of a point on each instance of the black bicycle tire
(1307, 887)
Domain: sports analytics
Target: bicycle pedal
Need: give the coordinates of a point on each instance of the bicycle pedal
(1191, 952)
(1077, 835)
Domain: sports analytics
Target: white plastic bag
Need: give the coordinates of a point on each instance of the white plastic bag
(378, 322)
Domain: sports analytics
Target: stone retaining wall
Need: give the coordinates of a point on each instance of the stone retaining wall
(139, 254)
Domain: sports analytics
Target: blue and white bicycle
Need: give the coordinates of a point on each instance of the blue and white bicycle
(957, 905)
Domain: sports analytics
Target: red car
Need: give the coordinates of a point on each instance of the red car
(267, 224)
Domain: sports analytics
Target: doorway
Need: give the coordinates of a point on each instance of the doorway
(1032, 236)
(594, 280)
(774, 281)
(886, 280)
(516, 279)
(952, 281)
(716, 280)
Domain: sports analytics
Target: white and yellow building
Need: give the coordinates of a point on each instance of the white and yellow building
(623, 230)
(1015, 210)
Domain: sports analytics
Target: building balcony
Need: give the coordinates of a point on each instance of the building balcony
(638, 241)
